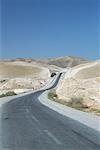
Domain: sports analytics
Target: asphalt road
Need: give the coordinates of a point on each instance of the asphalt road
(26, 124)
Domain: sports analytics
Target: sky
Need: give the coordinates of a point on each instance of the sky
(49, 28)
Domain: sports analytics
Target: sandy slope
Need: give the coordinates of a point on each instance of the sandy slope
(63, 62)
(22, 76)
(81, 81)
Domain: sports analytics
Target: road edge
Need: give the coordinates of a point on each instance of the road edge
(90, 124)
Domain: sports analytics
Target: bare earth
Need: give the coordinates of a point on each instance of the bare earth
(79, 82)
(82, 82)
(21, 76)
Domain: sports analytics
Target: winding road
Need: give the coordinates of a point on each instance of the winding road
(26, 124)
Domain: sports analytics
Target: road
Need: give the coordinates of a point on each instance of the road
(26, 124)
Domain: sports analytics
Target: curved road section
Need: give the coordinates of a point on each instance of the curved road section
(26, 124)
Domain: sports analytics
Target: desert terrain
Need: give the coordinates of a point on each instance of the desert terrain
(81, 85)
(23, 75)
(20, 76)
(80, 82)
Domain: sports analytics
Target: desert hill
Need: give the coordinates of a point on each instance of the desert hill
(81, 82)
(22, 75)
(67, 61)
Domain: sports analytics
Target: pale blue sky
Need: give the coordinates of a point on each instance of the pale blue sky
(50, 28)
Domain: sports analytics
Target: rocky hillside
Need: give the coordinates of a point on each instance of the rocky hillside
(59, 62)
(21, 76)
(67, 61)
(82, 82)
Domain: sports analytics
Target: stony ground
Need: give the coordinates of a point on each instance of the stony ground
(82, 82)
(19, 76)
(79, 82)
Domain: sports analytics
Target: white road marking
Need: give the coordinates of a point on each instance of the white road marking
(52, 137)
(34, 118)
(27, 110)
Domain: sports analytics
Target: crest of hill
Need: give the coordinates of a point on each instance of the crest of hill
(81, 84)
(63, 62)
(60, 62)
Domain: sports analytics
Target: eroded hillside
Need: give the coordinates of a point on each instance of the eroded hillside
(82, 82)
(21, 76)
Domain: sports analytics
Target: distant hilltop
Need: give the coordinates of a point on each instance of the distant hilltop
(62, 62)
(67, 61)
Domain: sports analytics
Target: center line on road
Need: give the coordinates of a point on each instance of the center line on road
(27, 110)
(34, 118)
(52, 137)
